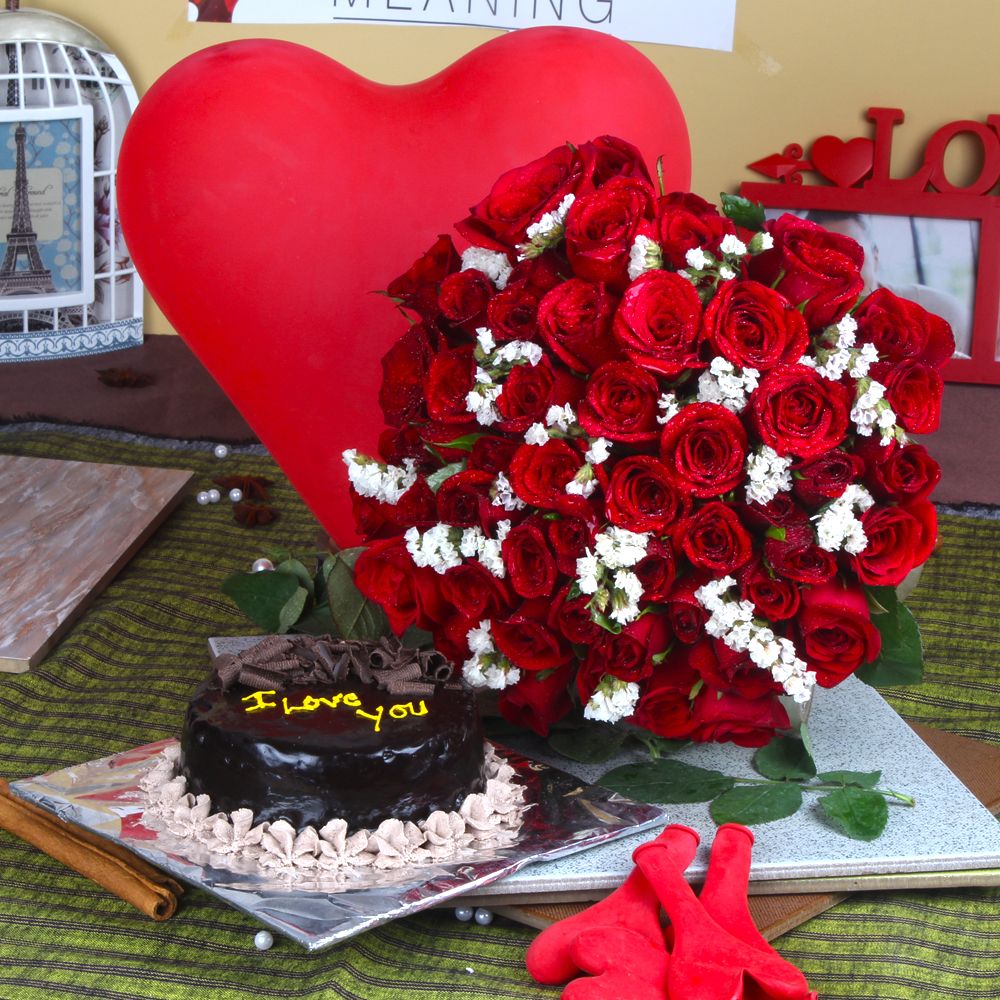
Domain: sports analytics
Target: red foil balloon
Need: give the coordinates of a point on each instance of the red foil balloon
(267, 192)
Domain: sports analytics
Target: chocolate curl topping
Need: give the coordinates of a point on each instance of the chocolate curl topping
(283, 661)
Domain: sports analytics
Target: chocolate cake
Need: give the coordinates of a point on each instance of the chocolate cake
(309, 729)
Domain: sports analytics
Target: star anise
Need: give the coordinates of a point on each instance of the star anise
(250, 514)
(252, 487)
(124, 378)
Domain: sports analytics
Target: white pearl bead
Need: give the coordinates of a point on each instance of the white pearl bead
(484, 917)
(261, 565)
(222, 451)
(203, 497)
(263, 940)
(236, 495)
(463, 913)
(214, 496)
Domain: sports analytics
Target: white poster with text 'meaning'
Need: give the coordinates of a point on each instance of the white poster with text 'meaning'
(704, 24)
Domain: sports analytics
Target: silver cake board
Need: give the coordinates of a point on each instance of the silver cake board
(948, 838)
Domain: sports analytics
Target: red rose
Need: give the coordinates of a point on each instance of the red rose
(627, 656)
(608, 156)
(451, 378)
(464, 500)
(513, 314)
(914, 393)
(601, 228)
(774, 597)
(569, 536)
(642, 497)
(899, 538)
(734, 719)
(417, 289)
(530, 564)
(901, 329)
(781, 512)
(837, 631)
(798, 412)
(385, 573)
(537, 275)
(658, 323)
(798, 557)
(474, 592)
(574, 319)
(678, 229)
(753, 326)
(492, 454)
(704, 448)
(395, 444)
(521, 196)
(573, 619)
(812, 268)
(529, 391)
(539, 473)
(715, 540)
(656, 570)
(405, 368)
(527, 641)
(665, 704)
(684, 611)
(464, 296)
(620, 403)
(906, 474)
(723, 669)
(376, 519)
(535, 702)
(826, 477)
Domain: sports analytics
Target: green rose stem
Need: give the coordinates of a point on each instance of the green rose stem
(907, 800)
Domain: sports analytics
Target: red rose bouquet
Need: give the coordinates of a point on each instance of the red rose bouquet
(647, 458)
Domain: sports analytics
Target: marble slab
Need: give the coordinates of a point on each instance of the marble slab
(66, 529)
(948, 839)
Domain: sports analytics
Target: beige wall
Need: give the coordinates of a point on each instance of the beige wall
(800, 69)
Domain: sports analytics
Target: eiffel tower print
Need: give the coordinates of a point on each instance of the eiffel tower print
(22, 240)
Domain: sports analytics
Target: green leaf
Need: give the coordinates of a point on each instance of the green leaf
(666, 781)
(752, 804)
(784, 758)
(354, 617)
(744, 212)
(463, 443)
(778, 534)
(416, 638)
(593, 743)
(859, 813)
(292, 610)
(293, 567)
(436, 479)
(806, 738)
(901, 660)
(261, 596)
(316, 621)
(881, 600)
(859, 779)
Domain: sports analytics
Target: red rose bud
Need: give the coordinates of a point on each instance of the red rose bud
(452, 374)
(837, 631)
(417, 289)
(405, 368)
(474, 592)
(464, 500)
(704, 449)
(914, 393)
(621, 403)
(528, 391)
(798, 412)
(539, 473)
(733, 719)
(821, 479)
(781, 512)
(520, 197)
(569, 537)
(513, 314)
(899, 539)
(574, 320)
(730, 672)
(665, 704)
(797, 556)
(492, 454)
(714, 539)
(537, 702)
(903, 330)
(657, 570)
(531, 567)
(813, 268)
(537, 275)
(601, 228)
(642, 497)
(385, 574)
(906, 474)
(525, 639)
(608, 156)
(775, 598)
(684, 611)
(628, 655)
(753, 326)
(376, 519)
(464, 296)
(678, 230)
(573, 620)
(658, 323)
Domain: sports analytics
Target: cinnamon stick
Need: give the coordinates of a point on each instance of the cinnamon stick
(101, 860)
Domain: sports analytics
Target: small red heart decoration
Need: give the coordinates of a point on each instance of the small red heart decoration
(844, 163)
(266, 192)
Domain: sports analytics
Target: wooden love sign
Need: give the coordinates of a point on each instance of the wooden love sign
(948, 228)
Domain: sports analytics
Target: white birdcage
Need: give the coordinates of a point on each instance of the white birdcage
(67, 283)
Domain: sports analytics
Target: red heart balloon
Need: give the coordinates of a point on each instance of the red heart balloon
(267, 192)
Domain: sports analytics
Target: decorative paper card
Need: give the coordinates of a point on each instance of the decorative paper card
(707, 24)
